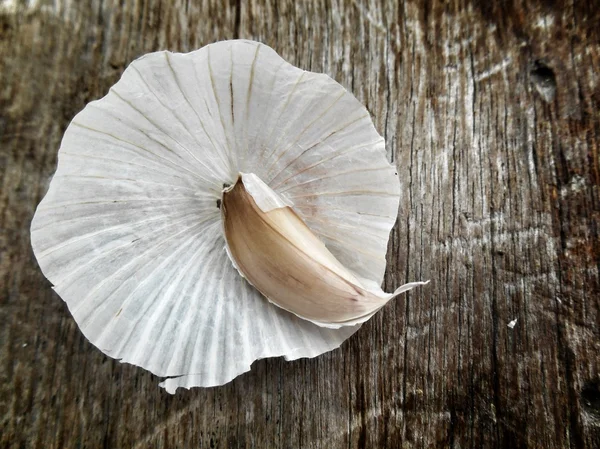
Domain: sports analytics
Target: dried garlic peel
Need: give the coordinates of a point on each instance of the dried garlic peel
(130, 233)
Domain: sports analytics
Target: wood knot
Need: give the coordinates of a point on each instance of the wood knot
(590, 399)
(544, 81)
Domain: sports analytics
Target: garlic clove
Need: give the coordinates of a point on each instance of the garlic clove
(282, 258)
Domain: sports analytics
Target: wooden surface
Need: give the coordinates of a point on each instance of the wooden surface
(492, 116)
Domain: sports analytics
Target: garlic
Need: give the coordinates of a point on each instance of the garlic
(131, 236)
(284, 260)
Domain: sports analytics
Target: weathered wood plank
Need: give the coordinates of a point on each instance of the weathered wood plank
(491, 114)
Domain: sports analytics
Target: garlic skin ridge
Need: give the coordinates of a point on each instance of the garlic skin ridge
(276, 252)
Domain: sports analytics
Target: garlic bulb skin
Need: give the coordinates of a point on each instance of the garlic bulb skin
(129, 232)
(281, 257)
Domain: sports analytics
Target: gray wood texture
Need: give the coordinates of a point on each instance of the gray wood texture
(491, 113)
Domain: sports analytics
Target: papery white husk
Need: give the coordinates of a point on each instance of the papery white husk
(129, 232)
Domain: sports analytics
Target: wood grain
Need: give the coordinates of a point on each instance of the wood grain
(491, 113)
